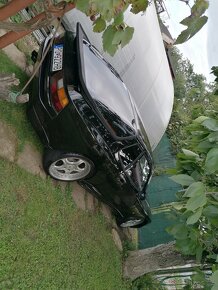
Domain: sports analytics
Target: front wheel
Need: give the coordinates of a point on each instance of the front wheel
(67, 166)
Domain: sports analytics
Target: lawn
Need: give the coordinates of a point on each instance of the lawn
(45, 242)
(15, 114)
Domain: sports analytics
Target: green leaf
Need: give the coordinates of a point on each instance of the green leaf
(182, 179)
(196, 175)
(211, 211)
(199, 253)
(213, 137)
(192, 29)
(119, 19)
(139, 5)
(204, 146)
(171, 171)
(217, 259)
(83, 5)
(214, 280)
(211, 124)
(183, 37)
(99, 25)
(194, 189)
(179, 231)
(201, 119)
(190, 153)
(196, 201)
(194, 217)
(214, 68)
(186, 246)
(123, 36)
(211, 163)
(199, 7)
(187, 21)
(214, 222)
(197, 25)
(215, 196)
(108, 37)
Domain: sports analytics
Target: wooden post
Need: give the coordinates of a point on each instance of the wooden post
(13, 36)
(13, 7)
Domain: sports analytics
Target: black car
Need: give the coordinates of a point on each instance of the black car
(90, 127)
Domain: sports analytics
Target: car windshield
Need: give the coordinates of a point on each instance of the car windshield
(107, 89)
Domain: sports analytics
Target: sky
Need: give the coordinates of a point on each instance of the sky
(201, 50)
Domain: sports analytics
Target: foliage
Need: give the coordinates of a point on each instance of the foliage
(3, 2)
(147, 282)
(196, 215)
(200, 162)
(108, 18)
(195, 230)
(193, 97)
(197, 170)
(198, 280)
(46, 243)
(214, 70)
(195, 21)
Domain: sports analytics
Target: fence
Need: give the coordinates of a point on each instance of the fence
(161, 190)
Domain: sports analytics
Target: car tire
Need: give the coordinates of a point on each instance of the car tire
(67, 166)
(131, 222)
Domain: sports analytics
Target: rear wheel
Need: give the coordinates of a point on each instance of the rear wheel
(67, 166)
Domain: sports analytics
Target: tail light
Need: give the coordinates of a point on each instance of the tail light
(59, 98)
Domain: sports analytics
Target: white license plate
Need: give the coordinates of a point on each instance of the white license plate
(57, 60)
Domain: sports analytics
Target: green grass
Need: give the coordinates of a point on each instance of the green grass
(15, 114)
(46, 243)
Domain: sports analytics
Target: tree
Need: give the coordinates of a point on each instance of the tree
(196, 212)
(107, 17)
(193, 95)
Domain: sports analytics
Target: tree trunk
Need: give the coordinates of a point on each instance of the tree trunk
(152, 259)
(13, 7)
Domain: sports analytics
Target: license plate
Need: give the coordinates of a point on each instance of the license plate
(57, 57)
